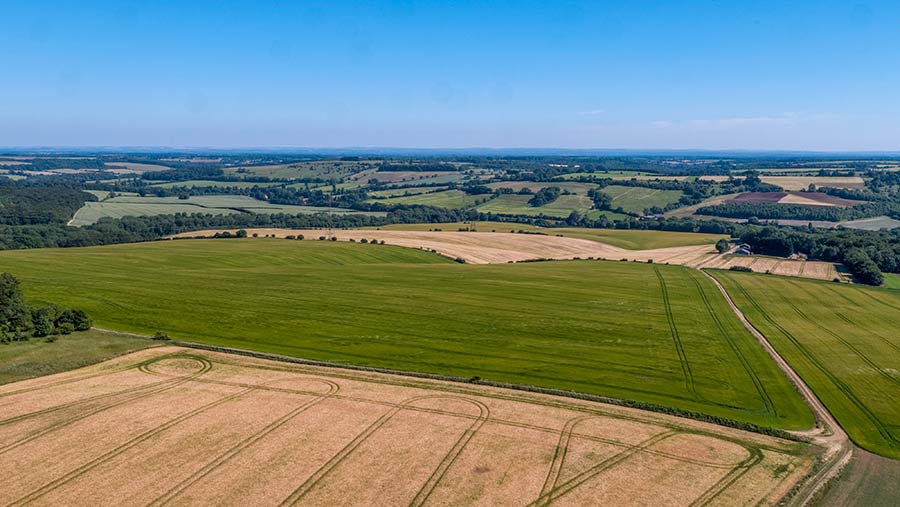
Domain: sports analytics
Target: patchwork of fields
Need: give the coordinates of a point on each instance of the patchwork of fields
(657, 334)
(452, 199)
(203, 428)
(843, 342)
(636, 199)
(118, 207)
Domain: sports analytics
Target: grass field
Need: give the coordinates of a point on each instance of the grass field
(323, 169)
(841, 339)
(622, 238)
(636, 199)
(122, 206)
(398, 192)
(513, 204)
(452, 199)
(211, 183)
(658, 334)
(189, 427)
(36, 357)
(892, 281)
(574, 187)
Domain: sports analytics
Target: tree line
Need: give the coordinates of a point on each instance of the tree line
(20, 321)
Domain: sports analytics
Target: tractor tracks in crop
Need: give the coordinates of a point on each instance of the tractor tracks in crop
(839, 448)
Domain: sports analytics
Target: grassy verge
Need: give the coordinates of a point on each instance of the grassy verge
(36, 357)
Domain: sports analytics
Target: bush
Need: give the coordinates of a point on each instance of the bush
(744, 269)
(460, 260)
(364, 240)
(241, 234)
(722, 246)
(290, 236)
(321, 238)
(334, 238)
(66, 328)
(300, 237)
(160, 336)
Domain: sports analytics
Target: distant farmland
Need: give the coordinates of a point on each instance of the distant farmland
(636, 199)
(656, 334)
(123, 206)
(843, 340)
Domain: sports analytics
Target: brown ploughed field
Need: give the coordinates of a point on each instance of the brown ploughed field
(177, 426)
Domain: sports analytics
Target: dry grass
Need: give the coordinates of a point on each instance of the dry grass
(492, 247)
(180, 427)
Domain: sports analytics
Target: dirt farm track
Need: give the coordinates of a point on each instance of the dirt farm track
(173, 426)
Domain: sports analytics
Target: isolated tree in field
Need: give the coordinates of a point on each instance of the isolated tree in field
(722, 246)
(241, 233)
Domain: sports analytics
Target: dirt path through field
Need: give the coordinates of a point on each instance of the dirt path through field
(828, 433)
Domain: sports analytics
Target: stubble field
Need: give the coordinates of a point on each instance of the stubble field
(170, 426)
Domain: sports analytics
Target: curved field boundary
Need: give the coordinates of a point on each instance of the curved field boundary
(461, 381)
(837, 442)
(423, 493)
(81, 470)
(333, 388)
(136, 394)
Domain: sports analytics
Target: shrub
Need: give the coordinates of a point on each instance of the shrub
(321, 238)
(290, 236)
(334, 238)
(160, 336)
(364, 240)
(744, 269)
(66, 328)
(460, 260)
(241, 233)
(300, 237)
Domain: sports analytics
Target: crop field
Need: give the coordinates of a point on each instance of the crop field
(654, 333)
(636, 199)
(399, 192)
(631, 239)
(623, 175)
(842, 340)
(210, 183)
(188, 427)
(892, 280)
(804, 198)
(324, 170)
(795, 182)
(511, 204)
(415, 176)
(122, 206)
(818, 270)
(575, 188)
(873, 224)
(452, 199)
(134, 167)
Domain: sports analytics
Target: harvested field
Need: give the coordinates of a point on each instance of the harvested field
(181, 427)
(492, 247)
(774, 265)
(803, 182)
(804, 198)
(134, 167)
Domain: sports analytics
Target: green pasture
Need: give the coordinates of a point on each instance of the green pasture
(452, 199)
(636, 199)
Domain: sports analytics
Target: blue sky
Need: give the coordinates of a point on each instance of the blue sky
(805, 75)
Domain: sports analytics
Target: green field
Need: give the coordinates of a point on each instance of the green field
(636, 199)
(123, 206)
(632, 239)
(623, 175)
(36, 357)
(452, 199)
(659, 334)
(211, 183)
(841, 339)
(514, 204)
(320, 169)
(892, 280)
(575, 188)
(398, 192)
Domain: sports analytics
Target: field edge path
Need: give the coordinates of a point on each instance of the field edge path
(830, 435)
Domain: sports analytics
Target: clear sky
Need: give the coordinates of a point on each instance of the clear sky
(724, 74)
